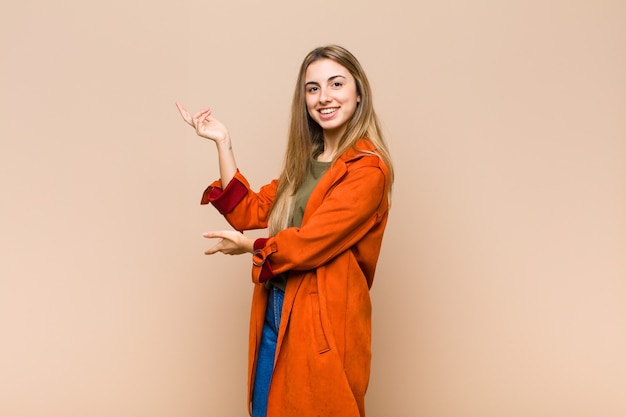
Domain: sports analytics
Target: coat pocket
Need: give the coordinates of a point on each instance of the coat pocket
(318, 328)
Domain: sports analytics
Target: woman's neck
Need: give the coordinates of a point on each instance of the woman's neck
(330, 149)
(331, 145)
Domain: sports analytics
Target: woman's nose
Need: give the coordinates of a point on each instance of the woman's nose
(324, 96)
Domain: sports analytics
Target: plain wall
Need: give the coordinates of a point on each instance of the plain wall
(501, 285)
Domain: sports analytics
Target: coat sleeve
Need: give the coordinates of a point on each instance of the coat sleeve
(243, 208)
(349, 210)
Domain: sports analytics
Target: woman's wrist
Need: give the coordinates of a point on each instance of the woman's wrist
(224, 144)
(250, 247)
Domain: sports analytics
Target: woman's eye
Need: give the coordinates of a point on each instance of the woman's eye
(336, 84)
(312, 89)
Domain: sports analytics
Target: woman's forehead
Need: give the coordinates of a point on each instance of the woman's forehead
(324, 69)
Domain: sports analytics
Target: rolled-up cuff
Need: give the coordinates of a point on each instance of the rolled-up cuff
(259, 243)
(224, 200)
(261, 267)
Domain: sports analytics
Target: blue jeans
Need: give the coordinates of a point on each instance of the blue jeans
(267, 351)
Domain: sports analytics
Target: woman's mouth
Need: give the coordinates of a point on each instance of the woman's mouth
(329, 111)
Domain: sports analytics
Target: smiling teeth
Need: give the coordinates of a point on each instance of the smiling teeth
(327, 111)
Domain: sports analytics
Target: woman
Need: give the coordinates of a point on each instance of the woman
(310, 323)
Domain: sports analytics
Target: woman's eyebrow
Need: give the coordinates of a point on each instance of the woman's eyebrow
(335, 76)
(329, 79)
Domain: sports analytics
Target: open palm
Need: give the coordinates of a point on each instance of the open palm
(205, 124)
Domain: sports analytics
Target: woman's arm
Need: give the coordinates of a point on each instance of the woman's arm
(209, 127)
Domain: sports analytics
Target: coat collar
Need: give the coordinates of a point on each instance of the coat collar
(361, 148)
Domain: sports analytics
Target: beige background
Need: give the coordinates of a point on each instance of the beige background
(501, 288)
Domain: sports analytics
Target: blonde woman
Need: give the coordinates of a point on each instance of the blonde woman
(310, 332)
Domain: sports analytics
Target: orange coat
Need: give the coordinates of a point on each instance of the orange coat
(322, 362)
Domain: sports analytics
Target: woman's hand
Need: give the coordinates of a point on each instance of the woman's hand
(206, 126)
(230, 242)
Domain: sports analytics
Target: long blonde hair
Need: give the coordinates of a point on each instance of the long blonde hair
(306, 137)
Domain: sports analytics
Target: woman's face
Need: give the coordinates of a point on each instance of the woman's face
(331, 95)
